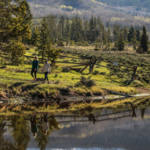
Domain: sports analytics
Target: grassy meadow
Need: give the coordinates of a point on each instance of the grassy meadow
(16, 81)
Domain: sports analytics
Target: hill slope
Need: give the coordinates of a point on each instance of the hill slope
(125, 15)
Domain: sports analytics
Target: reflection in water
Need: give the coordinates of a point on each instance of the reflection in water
(142, 113)
(92, 131)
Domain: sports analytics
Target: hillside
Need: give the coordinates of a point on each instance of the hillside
(125, 15)
(139, 4)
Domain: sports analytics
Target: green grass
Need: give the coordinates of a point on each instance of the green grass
(21, 82)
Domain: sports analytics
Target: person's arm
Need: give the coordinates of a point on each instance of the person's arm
(43, 67)
(37, 64)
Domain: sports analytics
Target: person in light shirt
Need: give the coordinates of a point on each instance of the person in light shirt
(46, 70)
(45, 124)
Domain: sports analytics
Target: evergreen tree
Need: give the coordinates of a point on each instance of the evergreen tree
(125, 34)
(144, 40)
(51, 20)
(20, 132)
(131, 34)
(116, 30)
(59, 29)
(44, 40)
(35, 36)
(73, 29)
(98, 20)
(91, 28)
(67, 30)
(52, 54)
(121, 42)
(134, 40)
(101, 34)
(109, 35)
(138, 35)
(14, 21)
(86, 29)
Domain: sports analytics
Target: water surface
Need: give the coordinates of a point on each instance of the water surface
(78, 133)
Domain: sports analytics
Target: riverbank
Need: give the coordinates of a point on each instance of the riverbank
(81, 107)
(17, 86)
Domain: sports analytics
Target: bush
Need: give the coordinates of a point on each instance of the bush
(60, 43)
(72, 43)
(85, 81)
(96, 47)
(79, 44)
(65, 69)
(96, 72)
(27, 48)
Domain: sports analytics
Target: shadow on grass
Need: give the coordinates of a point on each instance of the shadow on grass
(29, 87)
(16, 84)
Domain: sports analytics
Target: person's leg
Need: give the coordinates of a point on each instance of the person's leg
(34, 118)
(45, 118)
(35, 74)
(32, 73)
(47, 76)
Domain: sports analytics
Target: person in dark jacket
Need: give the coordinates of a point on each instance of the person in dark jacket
(35, 65)
(34, 128)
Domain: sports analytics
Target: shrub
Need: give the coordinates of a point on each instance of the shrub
(96, 72)
(96, 47)
(102, 73)
(56, 75)
(85, 81)
(60, 43)
(72, 43)
(65, 69)
(27, 48)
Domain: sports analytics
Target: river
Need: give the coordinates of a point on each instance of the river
(117, 131)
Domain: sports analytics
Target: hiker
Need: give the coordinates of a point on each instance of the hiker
(34, 128)
(45, 124)
(35, 65)
(46, 70)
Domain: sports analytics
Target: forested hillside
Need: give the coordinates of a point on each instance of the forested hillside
(139, 4)
(110, 14)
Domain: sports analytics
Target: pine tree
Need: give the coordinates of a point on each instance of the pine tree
(67, 30)
(116, 30)
(51, 20)
(35, 36)
(144, 40)
(14, 21)
(121, 42)
(125, 34)
(44, 40)
(138, 35)
(52, 54)
(134, 40)
(86, 29)
(73, 29)
(109, 35)
(131, 34)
